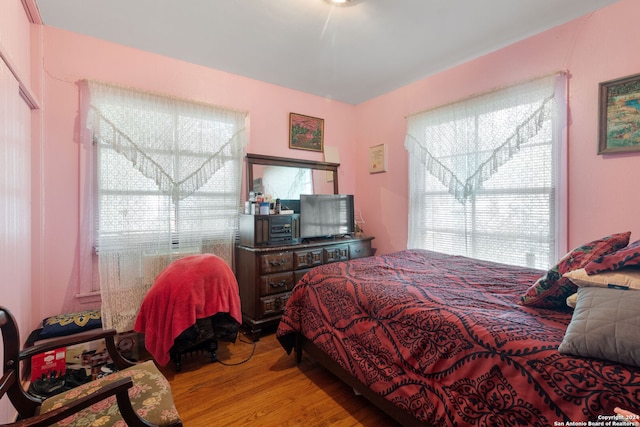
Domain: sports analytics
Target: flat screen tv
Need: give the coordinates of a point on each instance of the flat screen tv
(326, 215)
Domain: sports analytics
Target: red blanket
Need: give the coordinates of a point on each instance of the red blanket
(190, 288)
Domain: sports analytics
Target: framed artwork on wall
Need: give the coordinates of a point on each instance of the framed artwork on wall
(306, 132)
(619, 115)
(378, 158)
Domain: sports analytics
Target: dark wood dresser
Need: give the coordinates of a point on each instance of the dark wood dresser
(266, 275)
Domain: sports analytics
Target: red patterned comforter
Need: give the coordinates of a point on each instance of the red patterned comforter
(443, 338)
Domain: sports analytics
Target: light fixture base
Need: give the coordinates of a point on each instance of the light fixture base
(342, 3)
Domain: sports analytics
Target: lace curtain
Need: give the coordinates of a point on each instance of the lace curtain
(484, 174)
(168, 185)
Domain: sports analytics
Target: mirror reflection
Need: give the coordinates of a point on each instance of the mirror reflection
(289, 182)
(288, 178)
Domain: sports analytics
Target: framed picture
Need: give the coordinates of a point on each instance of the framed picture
(305, 132)
(378, 158)
(619, 118)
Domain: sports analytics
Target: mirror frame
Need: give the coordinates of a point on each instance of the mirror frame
(259, 159)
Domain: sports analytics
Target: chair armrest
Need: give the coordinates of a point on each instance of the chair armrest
(95, 334)
(118, 388)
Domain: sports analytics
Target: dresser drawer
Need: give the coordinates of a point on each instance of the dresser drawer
(276, 283)
(299, 274)
(307, 258)
(336, 253)
(273, 263)
(273, 305)
(360, 250)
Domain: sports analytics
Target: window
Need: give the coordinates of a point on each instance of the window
(485, 180)
(168, 175)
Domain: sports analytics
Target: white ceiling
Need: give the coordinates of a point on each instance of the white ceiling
(349, 54)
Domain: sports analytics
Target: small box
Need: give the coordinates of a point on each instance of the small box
(264, 208)
(51, 364)
(91, 357)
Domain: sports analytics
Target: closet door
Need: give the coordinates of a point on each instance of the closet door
(15, 195)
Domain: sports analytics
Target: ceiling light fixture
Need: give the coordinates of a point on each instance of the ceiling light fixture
(342, 3)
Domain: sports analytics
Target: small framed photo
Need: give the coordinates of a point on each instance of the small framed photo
(619, 115)
(306, 132)
(378, 158)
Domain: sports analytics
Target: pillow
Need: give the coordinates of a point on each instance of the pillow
(624, 257)
(629, 278)
(552, 290)
(572, 300)
(605, 325)
(67, 324)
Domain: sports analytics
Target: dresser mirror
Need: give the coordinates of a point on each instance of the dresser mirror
(286, 178)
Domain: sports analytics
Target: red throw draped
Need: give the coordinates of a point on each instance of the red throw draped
(190, 288)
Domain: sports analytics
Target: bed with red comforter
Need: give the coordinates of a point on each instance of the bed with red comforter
(443, 339)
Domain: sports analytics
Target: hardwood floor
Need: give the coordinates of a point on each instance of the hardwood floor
(267, 390)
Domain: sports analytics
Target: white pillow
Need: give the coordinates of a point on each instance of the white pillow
(572, 300)
(627, 278)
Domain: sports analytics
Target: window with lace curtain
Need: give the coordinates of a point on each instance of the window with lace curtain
(168, 175)
(486, 178)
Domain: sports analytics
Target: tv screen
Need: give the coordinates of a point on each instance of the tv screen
(326, 215)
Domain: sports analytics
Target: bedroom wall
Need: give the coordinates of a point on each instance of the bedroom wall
(594, 48)
(601, 189)
(70, 57)
(16, 117)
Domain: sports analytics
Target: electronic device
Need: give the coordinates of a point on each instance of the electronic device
(269, 230)
(326, 215)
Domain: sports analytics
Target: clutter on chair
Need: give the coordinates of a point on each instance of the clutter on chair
(136, 394)
(193, 302)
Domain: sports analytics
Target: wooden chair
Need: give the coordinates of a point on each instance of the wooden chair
(132, 390)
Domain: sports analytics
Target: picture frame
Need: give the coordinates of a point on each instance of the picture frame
(378, 158)
(306, 132)
(619, 115)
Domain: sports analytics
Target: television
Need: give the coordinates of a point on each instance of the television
(326, 215)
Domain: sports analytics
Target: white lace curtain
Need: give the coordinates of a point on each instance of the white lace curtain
(484, 174)
(168, 185)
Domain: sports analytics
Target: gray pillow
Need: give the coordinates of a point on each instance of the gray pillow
(605, 325)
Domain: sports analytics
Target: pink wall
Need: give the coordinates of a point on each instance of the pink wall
(595, 48)
(15, 171)
(69, 58)
(601, 193)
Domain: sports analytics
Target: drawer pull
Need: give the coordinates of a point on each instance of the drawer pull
(277, 263)
(278, 285)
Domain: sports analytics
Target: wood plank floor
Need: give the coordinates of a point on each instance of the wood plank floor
(267, 390)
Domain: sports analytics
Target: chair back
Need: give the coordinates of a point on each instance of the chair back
(10, 384)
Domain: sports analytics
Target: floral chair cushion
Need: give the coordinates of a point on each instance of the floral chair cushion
(552, 290)
(150, 396)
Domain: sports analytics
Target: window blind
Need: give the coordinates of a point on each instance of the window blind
(484, 175)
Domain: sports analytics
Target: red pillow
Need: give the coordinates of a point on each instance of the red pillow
(552, 290)
(624, 257)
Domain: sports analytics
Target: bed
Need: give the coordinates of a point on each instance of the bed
(435, 339)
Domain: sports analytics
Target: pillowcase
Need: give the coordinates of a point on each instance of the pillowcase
(572, 300)
(72, 323)
(622, 279)
(552, 290)
(625, 257)
(605, 325)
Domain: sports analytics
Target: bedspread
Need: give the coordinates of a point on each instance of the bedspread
(444, 338)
